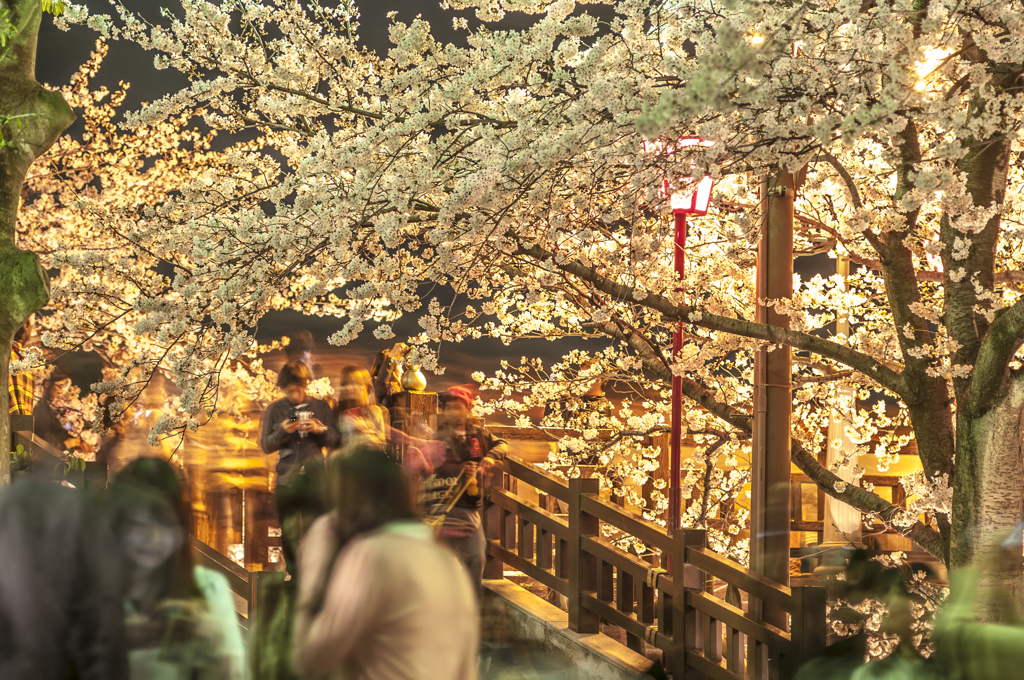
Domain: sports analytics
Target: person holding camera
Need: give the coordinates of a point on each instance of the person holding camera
(297, 427)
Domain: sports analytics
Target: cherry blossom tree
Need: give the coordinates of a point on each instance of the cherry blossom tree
(74, 199)
(514, 170)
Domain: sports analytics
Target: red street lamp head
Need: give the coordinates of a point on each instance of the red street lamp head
(693, 202)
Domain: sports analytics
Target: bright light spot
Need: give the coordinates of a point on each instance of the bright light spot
(933, 57)
(757, 39)
(920, 86)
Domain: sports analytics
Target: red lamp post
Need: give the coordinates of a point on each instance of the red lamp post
(683, 204)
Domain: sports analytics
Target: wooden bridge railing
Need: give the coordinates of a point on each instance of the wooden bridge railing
(677, 609)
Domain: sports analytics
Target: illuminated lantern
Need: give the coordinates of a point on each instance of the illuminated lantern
(693, 202)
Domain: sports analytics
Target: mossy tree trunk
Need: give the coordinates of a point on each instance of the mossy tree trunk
(31, 119)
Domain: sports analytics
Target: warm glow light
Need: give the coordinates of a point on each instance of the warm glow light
(694, 202)
(933, 58)
(757, 39)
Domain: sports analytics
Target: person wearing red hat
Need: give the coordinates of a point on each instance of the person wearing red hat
(473, 449)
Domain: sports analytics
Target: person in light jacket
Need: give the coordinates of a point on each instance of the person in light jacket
(379, 598)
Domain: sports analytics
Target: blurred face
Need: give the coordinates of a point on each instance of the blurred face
(59, 388)
(357, 387)
(149, 540)
(456, 409)
(296, 394)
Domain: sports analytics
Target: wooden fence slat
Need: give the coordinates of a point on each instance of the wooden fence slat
(735, 641)
(606, 582)
(524, 538)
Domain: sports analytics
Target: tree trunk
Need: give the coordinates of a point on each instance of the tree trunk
(988, 502)
(31, 119)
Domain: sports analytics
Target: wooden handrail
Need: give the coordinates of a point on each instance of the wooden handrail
(607, 552)
(540, 479)
(240, 581)
(531, 512)
(649, 532)
(757, 585)
(602, 582)
(740, 620)
(543, 576)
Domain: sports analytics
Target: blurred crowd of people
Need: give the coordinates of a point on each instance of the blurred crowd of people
(100, 583)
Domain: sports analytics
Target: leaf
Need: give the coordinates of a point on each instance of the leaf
(54, 7)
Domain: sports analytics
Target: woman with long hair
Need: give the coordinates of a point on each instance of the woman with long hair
(180, 618)
(379, 598)
(363, 423)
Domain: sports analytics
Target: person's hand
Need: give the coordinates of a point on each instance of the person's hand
(486, 465)
(290, 426)
(398, 351)
(312, 425)
(142, 631)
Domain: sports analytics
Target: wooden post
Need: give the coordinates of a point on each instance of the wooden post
(687, 632)
(770, 472)
(582, 565)
(810, 629)
(494, 523)
(414, 412)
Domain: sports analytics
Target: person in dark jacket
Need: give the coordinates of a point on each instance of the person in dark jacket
(60, 596)
(297, 427)
(473, 449)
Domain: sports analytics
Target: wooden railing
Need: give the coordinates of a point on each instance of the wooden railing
(676, 609)
(243, 583)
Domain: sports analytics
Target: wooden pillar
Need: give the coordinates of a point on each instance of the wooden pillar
(414, 413)
(770, 472)
(582, 565)
(842, 523)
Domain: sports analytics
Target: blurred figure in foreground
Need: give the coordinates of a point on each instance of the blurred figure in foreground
(361, 421)
(180, 619)
(379, 599)
(296, 427)
(60, 605)
(967, 649)
(868, 579)
(470, 451)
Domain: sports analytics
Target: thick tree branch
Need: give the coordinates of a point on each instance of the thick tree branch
(870, 367)
(1000, 344)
